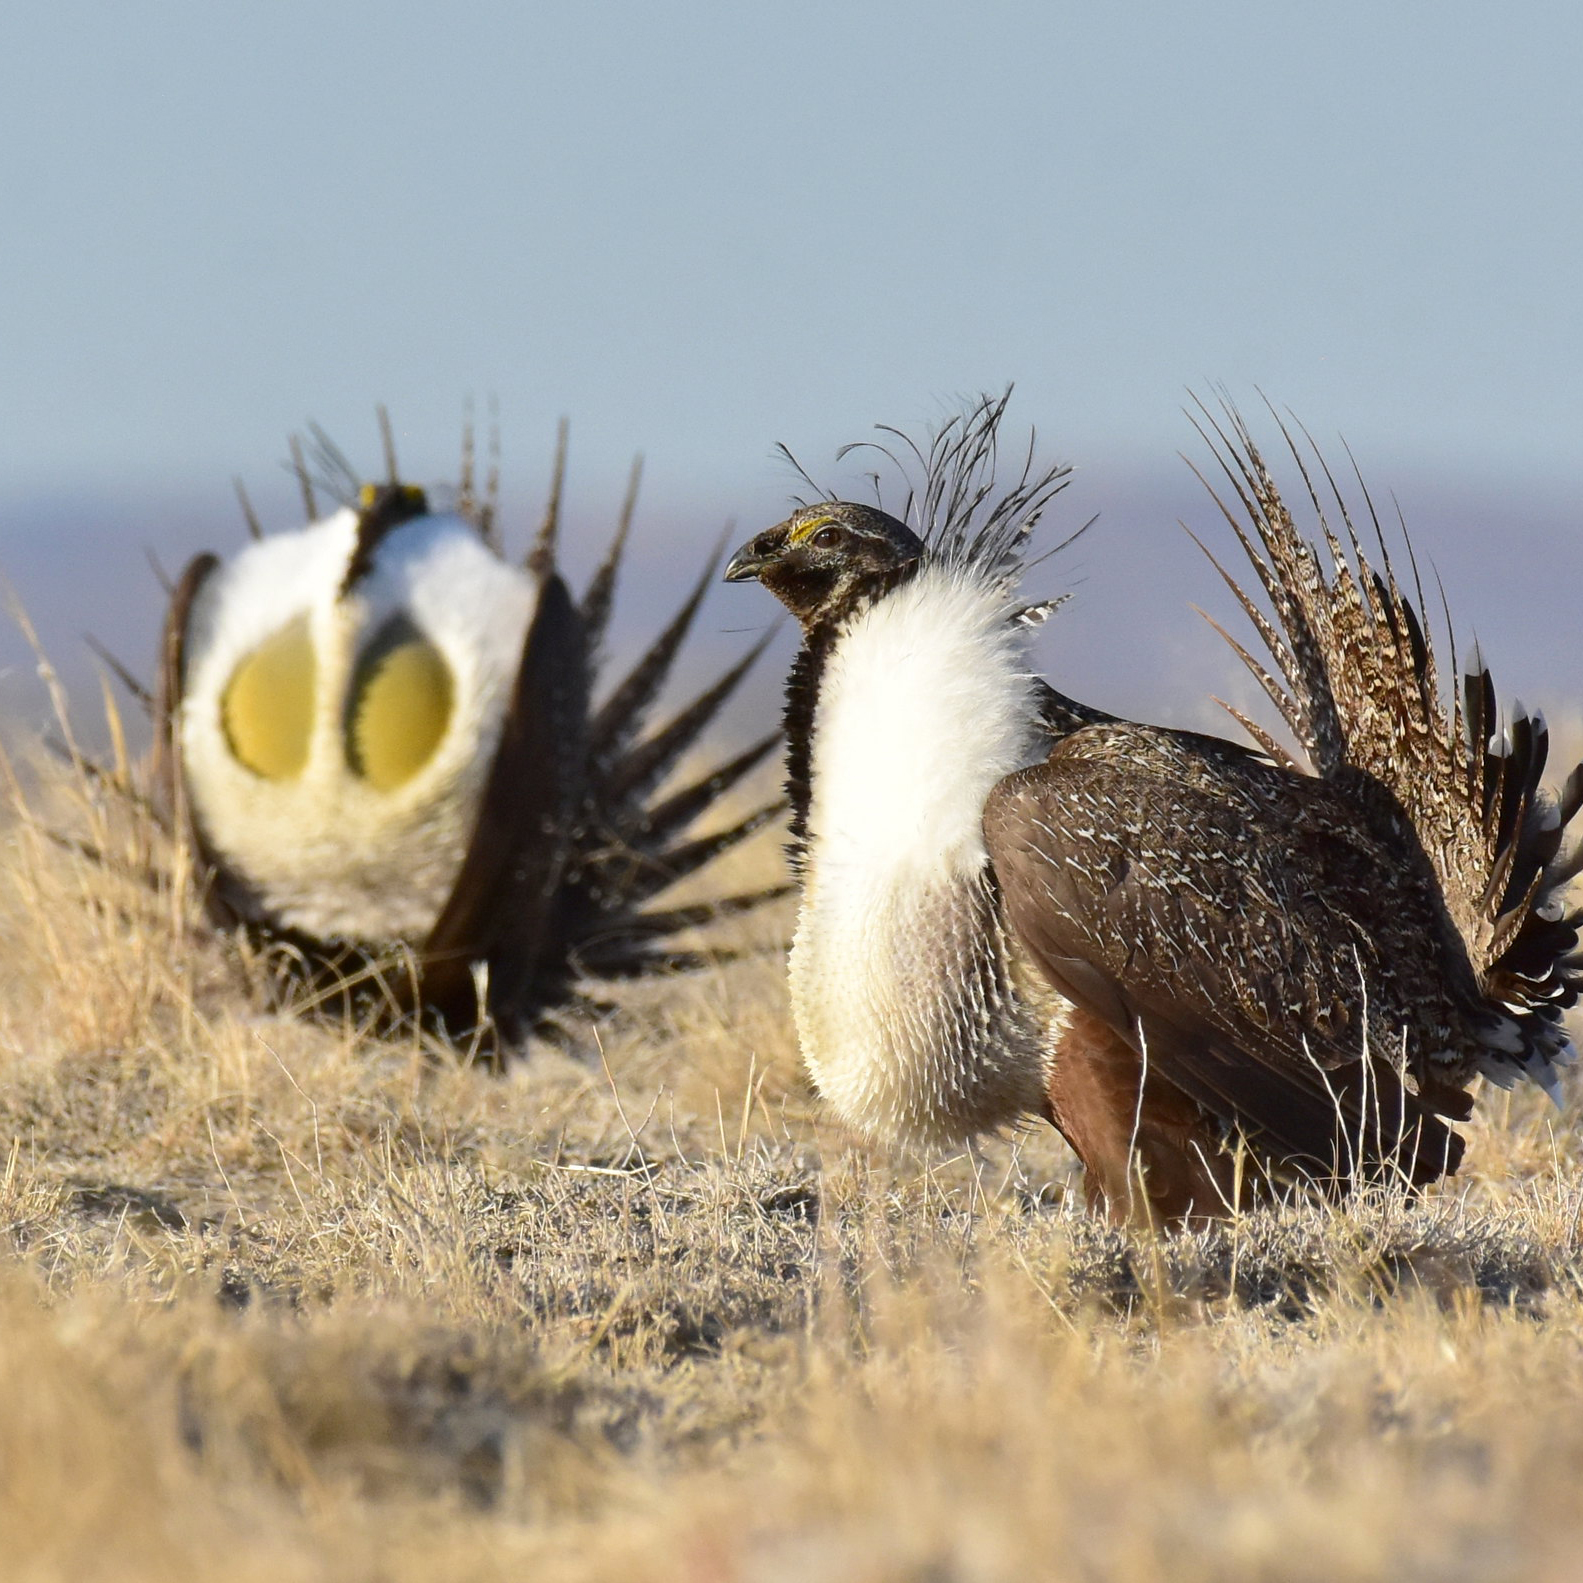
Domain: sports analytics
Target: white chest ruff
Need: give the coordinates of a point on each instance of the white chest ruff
(900, 984)
(325, 851)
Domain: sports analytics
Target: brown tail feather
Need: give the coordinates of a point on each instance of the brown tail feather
(1362, 688)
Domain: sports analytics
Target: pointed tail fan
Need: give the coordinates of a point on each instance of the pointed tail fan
(1357, 681)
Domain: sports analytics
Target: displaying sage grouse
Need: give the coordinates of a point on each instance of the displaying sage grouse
(386, 741)
(1211, 967)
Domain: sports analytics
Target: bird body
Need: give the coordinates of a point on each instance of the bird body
(1211, 966)
(1274, 951)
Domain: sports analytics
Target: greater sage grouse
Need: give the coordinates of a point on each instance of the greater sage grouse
(1211, 967)
(386, 741)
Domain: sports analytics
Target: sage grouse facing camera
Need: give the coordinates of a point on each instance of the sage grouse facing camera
(385, 740)
(1212, 968)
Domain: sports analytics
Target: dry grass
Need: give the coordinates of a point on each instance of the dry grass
(279, 1300)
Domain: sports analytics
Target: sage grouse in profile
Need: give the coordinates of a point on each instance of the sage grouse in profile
(385, 739)
(1210, 967)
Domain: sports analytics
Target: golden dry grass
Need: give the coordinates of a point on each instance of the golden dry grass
(282, 1300)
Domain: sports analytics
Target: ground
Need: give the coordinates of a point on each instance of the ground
(284, 1299)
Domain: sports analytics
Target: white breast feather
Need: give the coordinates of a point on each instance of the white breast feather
(328, 853)
(927, 700)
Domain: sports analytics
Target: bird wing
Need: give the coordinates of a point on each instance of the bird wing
(223, 896)
(502, 908)
(1224, 920)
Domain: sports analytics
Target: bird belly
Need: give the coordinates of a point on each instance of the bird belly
(908, 1023)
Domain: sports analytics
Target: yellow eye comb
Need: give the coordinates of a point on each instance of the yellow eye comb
(806, 530)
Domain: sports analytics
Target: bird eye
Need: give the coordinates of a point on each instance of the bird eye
(828, 538)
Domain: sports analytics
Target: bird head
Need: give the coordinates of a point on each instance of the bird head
(825, 559)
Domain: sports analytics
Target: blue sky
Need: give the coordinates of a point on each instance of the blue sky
(698, 229)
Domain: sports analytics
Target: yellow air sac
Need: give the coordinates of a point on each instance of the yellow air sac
(268, 705)
(400, 707)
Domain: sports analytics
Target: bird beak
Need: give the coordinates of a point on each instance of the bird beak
(753, 557)
(745, 565)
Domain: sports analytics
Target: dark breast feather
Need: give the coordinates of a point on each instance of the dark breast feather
(1252, 931)
(797, 723)
(165, 769)
(227, 897)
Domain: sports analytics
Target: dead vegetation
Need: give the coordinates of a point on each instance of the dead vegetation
(279, 1299)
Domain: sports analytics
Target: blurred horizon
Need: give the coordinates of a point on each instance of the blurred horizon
(701, 229)
(1506, 552)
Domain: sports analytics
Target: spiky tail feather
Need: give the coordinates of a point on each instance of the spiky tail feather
(1360, 687)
